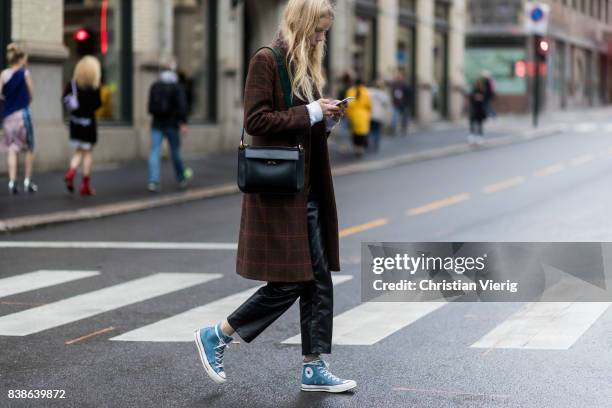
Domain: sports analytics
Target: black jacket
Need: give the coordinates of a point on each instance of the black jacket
(83, 125)
(177, 102)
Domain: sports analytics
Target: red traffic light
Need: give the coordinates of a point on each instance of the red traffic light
(520, 68)
(81, 34)
(543, 46)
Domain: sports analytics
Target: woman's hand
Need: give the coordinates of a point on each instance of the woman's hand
(341, 110)
(329, 109)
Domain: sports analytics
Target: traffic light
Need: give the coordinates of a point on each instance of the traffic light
(542, 48)
(81, 34)
(85, 41)
(520, 68)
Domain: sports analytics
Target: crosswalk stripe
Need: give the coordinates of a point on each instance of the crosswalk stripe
(180, 327)
(371, 322)
(92, 303)
(544, 325)
(38, 280)
(585, 127)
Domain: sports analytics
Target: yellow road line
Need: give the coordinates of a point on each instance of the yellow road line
(502, 185)
(552, 169)
(363, 227)
(585, 158)
(436, 205)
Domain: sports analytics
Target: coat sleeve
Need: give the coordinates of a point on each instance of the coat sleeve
(261, 117)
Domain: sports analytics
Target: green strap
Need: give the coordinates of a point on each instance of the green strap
(283, 75)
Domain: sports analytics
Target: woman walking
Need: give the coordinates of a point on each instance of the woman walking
(17, 90)
(358, 112)
(84, 88)
(288, 240)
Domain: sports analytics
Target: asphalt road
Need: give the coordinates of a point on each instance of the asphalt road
(553, 189)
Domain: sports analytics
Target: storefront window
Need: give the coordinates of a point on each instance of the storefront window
(506, 66)
(194, 43)
(407, 5)
(103, 28)
(5, 30)
(365, 37)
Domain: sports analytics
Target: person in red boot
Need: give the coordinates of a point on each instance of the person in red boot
(82, 99)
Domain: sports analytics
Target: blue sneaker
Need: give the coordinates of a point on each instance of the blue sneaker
(211, 344)
(316, 377)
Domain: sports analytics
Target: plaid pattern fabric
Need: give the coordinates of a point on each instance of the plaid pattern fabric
(273, 242)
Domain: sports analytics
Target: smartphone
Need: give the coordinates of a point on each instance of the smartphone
(345, 100)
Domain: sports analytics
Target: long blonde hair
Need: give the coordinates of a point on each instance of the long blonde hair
(87, 72)
(299, 23)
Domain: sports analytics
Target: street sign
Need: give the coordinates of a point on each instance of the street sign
(535, 19)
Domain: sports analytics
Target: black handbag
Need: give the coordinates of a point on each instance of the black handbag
(271, 169)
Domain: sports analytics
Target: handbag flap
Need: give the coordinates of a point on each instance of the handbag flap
(272, 153)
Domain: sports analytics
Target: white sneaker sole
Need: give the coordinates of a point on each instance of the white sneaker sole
(207, 367)
(349, 385)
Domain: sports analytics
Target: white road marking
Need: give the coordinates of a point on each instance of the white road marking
(120, 245)
(90, 304)
(371, 322)
(38, 280)
(585, 127)
(180, 327)
(544, 325)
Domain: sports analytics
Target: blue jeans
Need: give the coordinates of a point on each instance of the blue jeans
(399, 121)
(375, 130)
(174, 141)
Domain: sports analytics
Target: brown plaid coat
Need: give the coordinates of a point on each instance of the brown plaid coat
(273, 244)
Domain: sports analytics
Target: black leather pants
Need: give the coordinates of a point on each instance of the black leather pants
(316, 299)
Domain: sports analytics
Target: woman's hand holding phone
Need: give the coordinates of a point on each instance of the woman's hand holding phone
(328, 108)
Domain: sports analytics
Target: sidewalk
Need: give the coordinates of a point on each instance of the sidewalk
(121, 188)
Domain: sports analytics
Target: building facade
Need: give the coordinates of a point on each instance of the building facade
(212, 41)
(577, 68)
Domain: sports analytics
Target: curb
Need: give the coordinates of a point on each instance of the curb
(125, 207)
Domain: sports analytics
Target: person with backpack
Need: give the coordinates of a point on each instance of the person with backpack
(82, 99)
(16, 90)
(168, 106)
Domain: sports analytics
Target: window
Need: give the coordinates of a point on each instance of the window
(407, 5)
(103, 28)
(365, 48)
(195, 50)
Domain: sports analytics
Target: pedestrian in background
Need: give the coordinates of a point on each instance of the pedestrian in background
(168, 106)
(82, 98)
(288, 240)
(401, 95)
(17, 91)
(478, 112)
(381, 106)
(489, 84)
(359, 113)
(345, 82)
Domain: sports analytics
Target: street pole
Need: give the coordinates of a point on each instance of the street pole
(536, 82)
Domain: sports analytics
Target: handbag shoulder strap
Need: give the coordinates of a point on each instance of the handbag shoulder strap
(283, 75)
